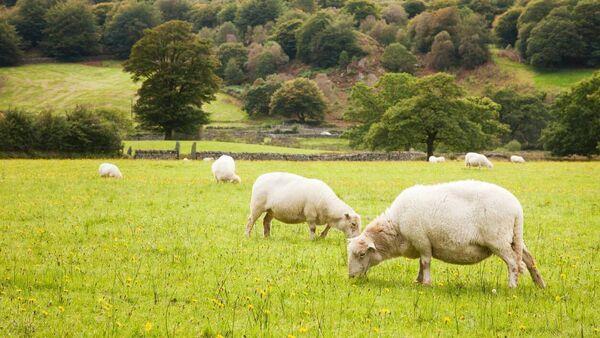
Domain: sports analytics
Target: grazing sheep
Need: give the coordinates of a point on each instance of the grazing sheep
(223, 170)
(208, 159)
(433, 159)
(295, 199)
(460, 222)
(185, 159)
(517, 159)
(477, 160)
(109, 170)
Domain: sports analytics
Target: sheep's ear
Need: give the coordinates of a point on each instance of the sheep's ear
(347, 215)
(371, 247)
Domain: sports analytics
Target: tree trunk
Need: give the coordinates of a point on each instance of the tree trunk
(168, 134)
(430, 141)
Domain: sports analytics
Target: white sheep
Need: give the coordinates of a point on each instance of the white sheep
(109, 170)
(295, 199)
(433, 159)
(460, 222)
(477, 160)
(223, 170)
(208, 159)
(517, 159)
(185, 159)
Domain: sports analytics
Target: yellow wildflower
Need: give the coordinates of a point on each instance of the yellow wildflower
(447, 319)
(302, 329)
(148, 327)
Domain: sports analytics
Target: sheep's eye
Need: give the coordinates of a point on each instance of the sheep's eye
(363, 254)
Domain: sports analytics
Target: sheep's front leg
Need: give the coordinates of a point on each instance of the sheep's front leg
(267, 224)
(325, 231)
(424, 276)
(313, 228)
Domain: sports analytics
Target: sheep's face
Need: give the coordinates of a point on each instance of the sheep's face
(362, 254)
(236, 179)
(348, 224)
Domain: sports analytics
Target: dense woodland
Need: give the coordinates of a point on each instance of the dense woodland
(375, 61)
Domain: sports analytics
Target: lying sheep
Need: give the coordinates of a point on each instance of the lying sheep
(295, 199)
(223, 170)
(517, 159)
(109, 170)
(477, 160)
(460, 222)
(433, 159)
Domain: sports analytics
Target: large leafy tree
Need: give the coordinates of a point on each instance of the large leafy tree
(426, 111)
(257, 12)
(29, 20)
(575, 126)
(10, 50)
(299, 98)
(71, 30)
(505, 27)
(178, 73)
(174, 9)
(128, 24)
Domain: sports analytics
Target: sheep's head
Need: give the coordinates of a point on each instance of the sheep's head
(236, 179)
(349, 224)
(362, 254)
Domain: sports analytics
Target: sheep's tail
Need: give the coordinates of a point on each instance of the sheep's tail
(518, 242)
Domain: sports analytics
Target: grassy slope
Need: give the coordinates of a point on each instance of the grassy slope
(545, 80)
(163, 252)
(61, 86)
(215, 146)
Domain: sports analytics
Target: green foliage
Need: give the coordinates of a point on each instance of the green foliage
(127, 26)
(331, 3)
(174, 9)
(102, 12)
(472, 52)
(265, 59)
(361, 9)
(344, 59)
(285, 35)
(228, 51)
(233, 73)
(29, 20)
(402, 111)
(513, 145)
(308, 6)
(90, 132)
(227, 13)
(299, 98)
(71, 30)
(396, 58)
(205, 15)
(587, 19)
(258, 96)
(575, 126)
(51, 131)
(177, 69)
(525, 114)
(227, 32)
(442, 55)
(321, 40)
(10, 45)
(414, 7)
(505, 29)
(258, 12)
(16, 131)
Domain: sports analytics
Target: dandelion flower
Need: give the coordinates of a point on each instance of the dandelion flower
(446, 319)
(250, 307)
(302, 329)
(522, 327)
(384, 311)
(147, 326)
(61, 309)
(557, 298)
(376, 329)
(291, 336)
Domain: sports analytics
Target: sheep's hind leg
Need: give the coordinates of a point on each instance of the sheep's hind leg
(508, 256)
(325, 231)
(424, 276)
(267, 224)
(254, 215)
(313, 228)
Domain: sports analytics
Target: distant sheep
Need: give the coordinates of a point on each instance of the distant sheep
(224, 170)
(295, 199)
(477, 160)
(208, 159)
(460, 222)
(433, 159)
(109, 170)
(517, 159)
(185, 159)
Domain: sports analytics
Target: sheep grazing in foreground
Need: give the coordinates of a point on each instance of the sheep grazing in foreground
(295, 199)
(223, 170)
(433, 159)
(477, 160)
(109, 170)
(208, 159)
(460, 222)
(517, 159)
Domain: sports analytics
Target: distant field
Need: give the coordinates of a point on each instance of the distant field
(546, 80)
(215, 146)
(162, 253)
(62, 86)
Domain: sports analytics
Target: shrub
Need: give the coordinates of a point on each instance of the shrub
(227, 13)
(71, 30)
(89, 132)
(51, 131)
(361, 9)
(231, 50)
(174, 9)
(10, 50)
(227, 32)
(413, 7)
(265, 60)
(285, 35)
(205, 15)
(513, 145)
(505, 29)
(102, 12)
(17, 132)
(396, 58)
(442, 55)
(30, 22)
(257, 12)
(127, 26)
(394, 13)
(258, 96)
(299, 98)
(233, 73)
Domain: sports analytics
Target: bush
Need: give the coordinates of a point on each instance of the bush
(394, 13)
(71, 30)
(228, 51)
(361, 9)
(51, 131)
(442, 55)
(258, 12)
(233, 74)
(127, 26)
(203, 15)
(10, 50)
(265, 60)
(258, 96)
(16, 131)
(285, 35)
(174, 9)
(513, 145)
(91, 133)
(30, 22)
(300, 98)
(413, 7)
(505, 29)
(396, 58)
(227, 13)
(227, 32)
(102, 12)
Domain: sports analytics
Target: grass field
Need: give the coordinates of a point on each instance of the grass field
(62, 86)
(546, 80)
(186, 147)
(162, 253)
